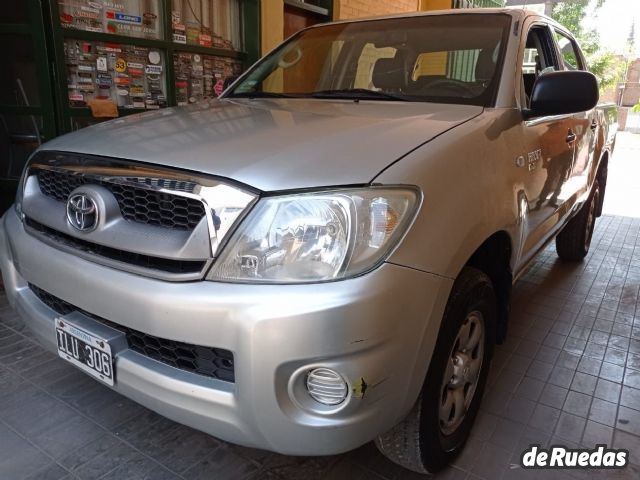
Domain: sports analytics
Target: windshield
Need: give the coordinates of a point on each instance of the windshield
(441, 58)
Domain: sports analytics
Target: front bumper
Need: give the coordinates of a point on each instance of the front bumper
(379, 328)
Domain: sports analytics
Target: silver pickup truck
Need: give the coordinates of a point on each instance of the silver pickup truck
(323, 256)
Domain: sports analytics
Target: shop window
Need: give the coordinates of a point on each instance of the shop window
(130, 18)
(18, 77)
(208, 23)
(130, 76)
(201, 77)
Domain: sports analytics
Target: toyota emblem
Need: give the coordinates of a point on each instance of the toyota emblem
(82, 212)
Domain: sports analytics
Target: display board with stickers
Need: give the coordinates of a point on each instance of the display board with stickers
(131, 18)
(201, 77)
(130, 76)
(208, 23)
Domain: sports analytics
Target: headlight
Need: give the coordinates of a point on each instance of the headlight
(315, 237)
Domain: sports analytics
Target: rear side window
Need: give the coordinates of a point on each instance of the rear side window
(569, 52)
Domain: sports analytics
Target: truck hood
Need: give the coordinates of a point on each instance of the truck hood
(275, 144)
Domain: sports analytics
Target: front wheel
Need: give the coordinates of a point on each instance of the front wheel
(436, 429)
(574, 241)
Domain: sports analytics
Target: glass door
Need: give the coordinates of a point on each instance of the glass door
(27, 116)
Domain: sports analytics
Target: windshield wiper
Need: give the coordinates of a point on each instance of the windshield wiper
(359, 94)
(263, 95)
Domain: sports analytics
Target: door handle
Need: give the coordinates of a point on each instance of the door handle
(571, 137)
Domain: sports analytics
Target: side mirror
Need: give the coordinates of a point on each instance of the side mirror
(560, 93)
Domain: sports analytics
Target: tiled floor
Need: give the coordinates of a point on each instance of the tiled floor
(569, 374)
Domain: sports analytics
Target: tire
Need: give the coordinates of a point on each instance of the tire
(574, 241)
(423, 441)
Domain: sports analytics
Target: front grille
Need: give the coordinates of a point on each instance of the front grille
(207, 361)
(136, 204)
(130, 258)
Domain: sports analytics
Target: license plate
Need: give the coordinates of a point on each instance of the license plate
(85, 351)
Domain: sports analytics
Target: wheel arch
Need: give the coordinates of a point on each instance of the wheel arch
(493, 257)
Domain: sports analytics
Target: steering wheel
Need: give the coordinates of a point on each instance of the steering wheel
(452, 84)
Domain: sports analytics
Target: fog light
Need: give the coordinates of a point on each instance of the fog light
(326, 386)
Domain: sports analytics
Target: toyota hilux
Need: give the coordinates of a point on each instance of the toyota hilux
(324, 255)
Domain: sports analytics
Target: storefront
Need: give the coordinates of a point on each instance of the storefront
(73, 63)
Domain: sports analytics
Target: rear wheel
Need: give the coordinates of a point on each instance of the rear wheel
(574, 241)
(437, 427)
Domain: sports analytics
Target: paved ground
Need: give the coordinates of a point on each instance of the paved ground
(568, 374)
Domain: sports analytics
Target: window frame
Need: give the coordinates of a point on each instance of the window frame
(582, 64)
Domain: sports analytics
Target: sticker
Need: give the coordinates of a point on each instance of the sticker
(101, 64)
(121, 65)
(139, 66)
(149, 16)
(122, 92)
(122, 81)
(89, 9)
(123, 17)
(196, 58)
(179, 38)
(136, 91)
(176, 17)
(66, 18)
(205, 40)
(85, 68)
(104, 80)
(76, 97)
(136, 72)
(154, 57)
(96, 5)
(153, 69)
(137, 104)
(219, 87)
(152, 77)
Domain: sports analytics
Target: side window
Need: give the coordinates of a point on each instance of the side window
(569, 51)
(539, 58)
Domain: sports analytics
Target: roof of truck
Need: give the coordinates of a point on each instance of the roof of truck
(518, 13)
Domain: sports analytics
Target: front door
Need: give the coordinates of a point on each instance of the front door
(583, 123)
(548, 151)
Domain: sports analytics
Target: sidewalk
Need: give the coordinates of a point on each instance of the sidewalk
(623, 185)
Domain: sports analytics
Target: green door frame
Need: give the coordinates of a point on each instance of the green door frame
(250, 27)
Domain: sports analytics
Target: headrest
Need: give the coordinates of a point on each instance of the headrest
(485, 66)
(389, 73)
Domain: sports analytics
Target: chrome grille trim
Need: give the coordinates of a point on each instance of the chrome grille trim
(229, 201)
